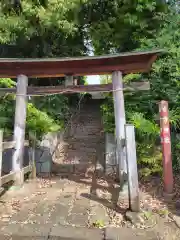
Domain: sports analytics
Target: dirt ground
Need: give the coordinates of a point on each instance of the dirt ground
(91, 203)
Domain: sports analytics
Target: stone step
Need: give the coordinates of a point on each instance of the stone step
(91, 115)
(86, 137)
(95, 118)
(94, 136)
(78, 143)
(87, 125)
(72, 168)
(85, 142)
(86, 121)
(96, 127)
(79, 131)
(81, 145)
(82, 148)
(50, 231)
(80, 154)
(80, 233)
(73, 139)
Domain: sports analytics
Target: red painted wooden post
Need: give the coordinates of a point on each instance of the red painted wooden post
(166, 147)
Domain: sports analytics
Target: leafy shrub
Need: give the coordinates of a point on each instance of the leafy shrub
(175, 145)
(56, 106)
(107, 110)
(39, 121)
(147, 136)
(148, 150)
(147, 132)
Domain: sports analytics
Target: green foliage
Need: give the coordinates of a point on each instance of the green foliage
(107, 110)
(118, 25)
(165, 75)
(39, 28)
(40, 122)
(132, 77)
(56, 106)
(148, 152)
(60, 28)
(7, 107)
(147, 132)
(142, 107)
(166, 71)
(175, 145)
(105, 79)
(7, 83)
(37, 121)
(174, 115)
(99, 224)
(145, 128)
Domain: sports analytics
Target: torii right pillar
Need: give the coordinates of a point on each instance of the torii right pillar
(120, 121)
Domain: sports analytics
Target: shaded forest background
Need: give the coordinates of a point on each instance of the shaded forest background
(62, 28)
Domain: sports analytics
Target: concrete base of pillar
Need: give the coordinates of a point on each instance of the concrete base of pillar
(19, 178)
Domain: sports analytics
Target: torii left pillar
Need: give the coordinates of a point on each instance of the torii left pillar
(120, 121)
(19, 129)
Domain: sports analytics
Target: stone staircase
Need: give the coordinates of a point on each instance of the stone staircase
(82, 146)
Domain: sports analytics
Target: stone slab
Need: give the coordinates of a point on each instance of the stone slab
(24, 213)
(2, 237)
(80, 209)
(59, 215)
(74, 233)
(41, 214)
(27, 230)
(78, 220)
(25, 238)
(98, 213)
(129, 234)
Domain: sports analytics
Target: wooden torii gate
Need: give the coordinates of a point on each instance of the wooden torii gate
(117, 65)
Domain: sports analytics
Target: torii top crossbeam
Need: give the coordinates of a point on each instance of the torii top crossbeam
(132, 62)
